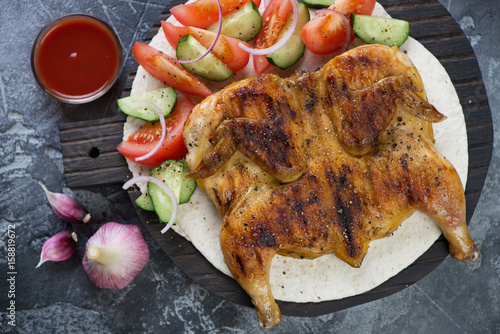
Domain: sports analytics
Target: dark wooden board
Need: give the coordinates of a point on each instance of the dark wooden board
(90, 158)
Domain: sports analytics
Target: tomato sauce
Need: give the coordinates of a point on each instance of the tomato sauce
(77, 58)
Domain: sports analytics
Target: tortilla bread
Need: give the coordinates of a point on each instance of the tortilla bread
(327, 277)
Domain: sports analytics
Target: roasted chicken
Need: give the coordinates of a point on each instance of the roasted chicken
(322, 162)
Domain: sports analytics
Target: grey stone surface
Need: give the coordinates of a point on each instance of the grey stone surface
(59, 298)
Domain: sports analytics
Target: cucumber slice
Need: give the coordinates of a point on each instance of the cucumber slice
(144, 202)
(318, 3)
(377, 30)
(188, 185)
(244, 23)
(209, 67)
(294, 49)
(164, 98)
(171, 172)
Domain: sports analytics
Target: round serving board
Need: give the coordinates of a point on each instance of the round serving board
(91, 160)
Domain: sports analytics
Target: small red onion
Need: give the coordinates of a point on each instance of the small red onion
(282, 42)
(163, 127)
(213, 43)
(347, 26)
(165, 188)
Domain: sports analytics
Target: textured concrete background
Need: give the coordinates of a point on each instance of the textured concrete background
(59, 298)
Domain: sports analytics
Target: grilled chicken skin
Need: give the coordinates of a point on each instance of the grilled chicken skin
(322, 162)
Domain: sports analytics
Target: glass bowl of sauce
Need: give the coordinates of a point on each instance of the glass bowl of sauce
(76, 58)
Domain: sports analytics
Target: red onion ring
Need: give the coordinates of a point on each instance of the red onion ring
(281, 43)
(165, 188)
(347, 26)
(163, 128)
(213, 43)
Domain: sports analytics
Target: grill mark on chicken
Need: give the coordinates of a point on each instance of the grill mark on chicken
(299, 202)
(311, 102)
(338, 157)
(217, 197)
(349, 223)
(267, 138)
(348, 209)
(263, 236)
(241, 268)
(255, 98)
(363, 60)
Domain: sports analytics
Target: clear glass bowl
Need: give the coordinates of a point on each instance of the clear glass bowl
(81, 97)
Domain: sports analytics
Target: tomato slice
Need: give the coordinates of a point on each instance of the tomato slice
(274, 19)
(144, 140)
(226, 48)
(349, 7)
(167, 70)
(326, 32)
(202, 13)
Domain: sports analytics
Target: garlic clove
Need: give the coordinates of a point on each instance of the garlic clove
(66, 207)
(59, 247)
(114, 255)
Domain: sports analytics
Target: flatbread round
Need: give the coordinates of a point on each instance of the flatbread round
(327, 277)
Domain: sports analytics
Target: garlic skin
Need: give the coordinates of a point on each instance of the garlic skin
(114, 255)
(59, 247)
(66, 207)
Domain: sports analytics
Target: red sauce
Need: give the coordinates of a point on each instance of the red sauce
(77, 57)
